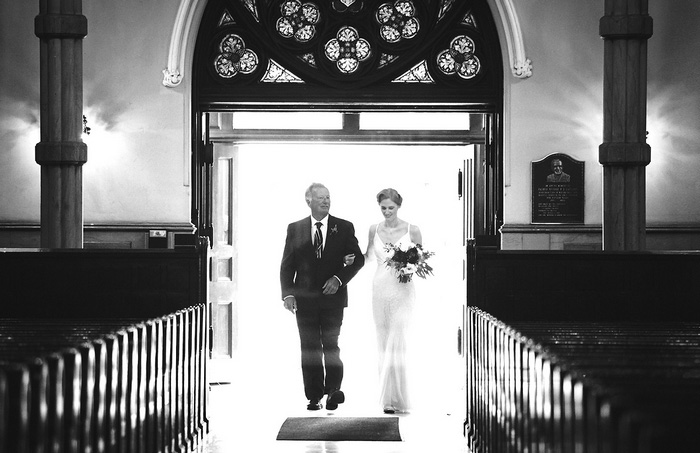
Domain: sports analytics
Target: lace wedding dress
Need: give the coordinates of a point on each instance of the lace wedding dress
(392, 306)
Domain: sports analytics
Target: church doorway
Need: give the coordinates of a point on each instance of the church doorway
(258, 188)
(344, 61)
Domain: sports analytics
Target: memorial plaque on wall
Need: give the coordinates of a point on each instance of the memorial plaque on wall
(557, 189)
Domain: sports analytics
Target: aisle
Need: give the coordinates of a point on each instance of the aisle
(243, 419)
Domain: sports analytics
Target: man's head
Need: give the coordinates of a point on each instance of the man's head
(319, 200)
(556, 166)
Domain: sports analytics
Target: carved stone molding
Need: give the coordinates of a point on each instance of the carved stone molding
(171, 77)
(520, 65)
(184, 34)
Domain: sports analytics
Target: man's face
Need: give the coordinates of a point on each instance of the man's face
(320, 203)
(556, 166)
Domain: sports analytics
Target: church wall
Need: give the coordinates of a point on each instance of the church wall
(138, 143)
(559, 110)
(138, 165)
(136, 178)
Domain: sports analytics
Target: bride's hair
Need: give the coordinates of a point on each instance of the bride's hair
(391, 194)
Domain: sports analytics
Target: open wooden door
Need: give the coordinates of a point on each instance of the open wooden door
(223, 261)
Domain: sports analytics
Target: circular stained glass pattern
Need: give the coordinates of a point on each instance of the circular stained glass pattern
(234, 57)
(348, 49)
(298, 20)
(397, 21)
(459, 58)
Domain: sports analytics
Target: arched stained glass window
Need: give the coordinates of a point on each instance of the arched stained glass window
(348, 49)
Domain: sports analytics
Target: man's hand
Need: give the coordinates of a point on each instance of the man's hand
(290, 303)
(331, 286)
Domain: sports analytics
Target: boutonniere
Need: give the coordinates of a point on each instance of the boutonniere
(334, 229)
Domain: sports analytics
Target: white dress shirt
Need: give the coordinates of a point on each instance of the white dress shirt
(324, 229)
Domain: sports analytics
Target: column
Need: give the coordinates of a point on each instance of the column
(61, 27)
(624, 153)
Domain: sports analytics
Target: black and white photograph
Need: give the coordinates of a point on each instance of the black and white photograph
(349, 226)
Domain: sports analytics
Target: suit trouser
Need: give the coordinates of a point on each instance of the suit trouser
(318, 331)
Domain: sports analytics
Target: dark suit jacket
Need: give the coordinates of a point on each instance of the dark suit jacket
(303, 276)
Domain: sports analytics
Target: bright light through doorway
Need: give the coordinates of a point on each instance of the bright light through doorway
(271, 182)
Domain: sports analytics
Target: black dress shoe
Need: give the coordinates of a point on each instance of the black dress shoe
(334, 398)
(314, 405)
(389, 410)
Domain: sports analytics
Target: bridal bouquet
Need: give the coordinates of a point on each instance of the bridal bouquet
(408, 260)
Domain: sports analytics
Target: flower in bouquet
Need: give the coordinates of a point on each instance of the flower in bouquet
(408, 260)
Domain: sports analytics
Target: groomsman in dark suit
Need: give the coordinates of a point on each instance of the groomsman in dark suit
(314, 281)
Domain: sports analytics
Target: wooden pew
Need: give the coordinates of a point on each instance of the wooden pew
(584, 286)
(582, 351)
(76, 361)
(138, 338)
(575, 387)
(96, 283)
(109, 385)
(650, 369)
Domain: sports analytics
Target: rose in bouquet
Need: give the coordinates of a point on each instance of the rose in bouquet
(409, 260)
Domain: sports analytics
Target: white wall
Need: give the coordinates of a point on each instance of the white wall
(559, 109)
(137, 159)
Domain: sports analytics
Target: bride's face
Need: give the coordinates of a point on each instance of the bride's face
(389, 209)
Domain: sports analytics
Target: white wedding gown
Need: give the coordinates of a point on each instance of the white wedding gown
(392, 306)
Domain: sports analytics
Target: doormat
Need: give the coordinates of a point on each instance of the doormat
(340, 428)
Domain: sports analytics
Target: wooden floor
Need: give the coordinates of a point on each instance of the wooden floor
(241, 422)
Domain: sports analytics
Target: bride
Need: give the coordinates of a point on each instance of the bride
(392, 302)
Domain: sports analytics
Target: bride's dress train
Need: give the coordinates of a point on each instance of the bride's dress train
(392, 306)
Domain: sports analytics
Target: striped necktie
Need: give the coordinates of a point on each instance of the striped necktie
(318, 240)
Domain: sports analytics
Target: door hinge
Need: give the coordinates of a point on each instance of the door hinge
(460, 183)
(207, 153)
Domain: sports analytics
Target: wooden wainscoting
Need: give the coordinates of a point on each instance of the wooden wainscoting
(106, 236)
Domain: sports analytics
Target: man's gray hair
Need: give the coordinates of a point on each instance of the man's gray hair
(315, 185)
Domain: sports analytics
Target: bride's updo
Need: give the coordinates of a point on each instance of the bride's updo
(391, 194)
